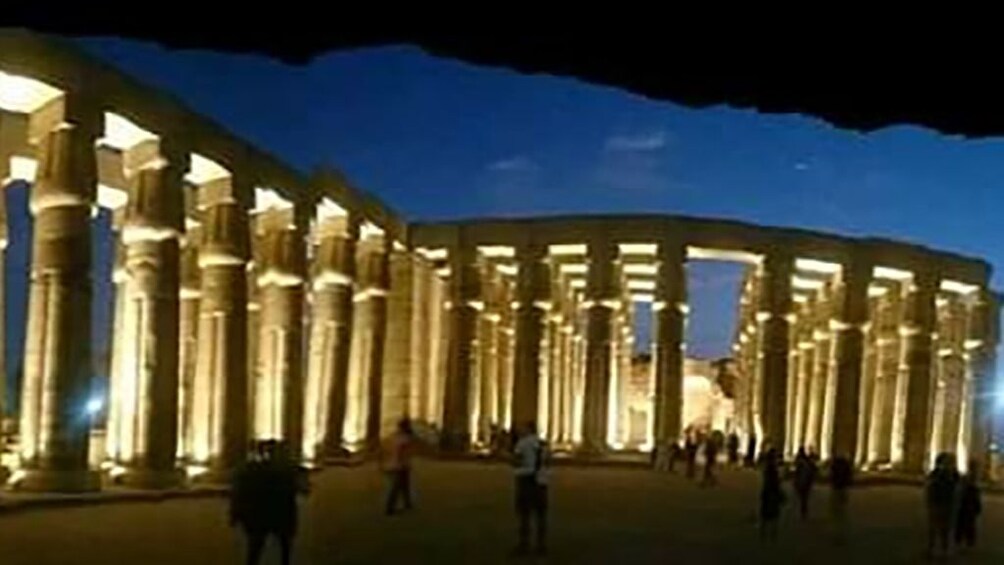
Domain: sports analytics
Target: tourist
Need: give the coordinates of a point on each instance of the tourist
(732, 445)
(969, 507)
(530, 457)
(749, 459)
(941, 484)
(805, 477)
(710, 458)
(263, 500)
(395, 462)
(841, 478)
(690, 447)
(771, 497)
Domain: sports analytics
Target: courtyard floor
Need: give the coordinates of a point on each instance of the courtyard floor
(599, 515)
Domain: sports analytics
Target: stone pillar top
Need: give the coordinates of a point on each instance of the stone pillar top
(601, 281)
(775, 285)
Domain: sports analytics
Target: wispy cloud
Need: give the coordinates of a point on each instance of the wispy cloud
(649, 141)
(518, 164)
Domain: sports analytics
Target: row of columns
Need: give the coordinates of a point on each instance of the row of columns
(232, 321)
(863, 368)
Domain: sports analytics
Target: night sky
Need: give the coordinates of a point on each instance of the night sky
(439, 139)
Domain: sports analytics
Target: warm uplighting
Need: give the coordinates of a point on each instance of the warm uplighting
(370, 230)
(270, 199)
(640, 269)
(23, 168)
(202, 170)
(567, 249)
(635, 284)
(328, 208)
(637, 248)
(723, 255)
(890, 273)
(121, 133)
(574, 269)
(497, 251)
(958, 287)
(817, 266)
(802, 283)
(23, 94)
(645, 298)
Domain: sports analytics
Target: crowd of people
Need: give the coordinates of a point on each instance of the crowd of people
(265, 489)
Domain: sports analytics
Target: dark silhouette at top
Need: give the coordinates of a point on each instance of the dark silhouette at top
(940, 494)
(771, 496)
(805, 477)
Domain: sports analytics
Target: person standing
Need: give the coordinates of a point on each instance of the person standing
(969, 508)
(530, 457)
(710, 458)
(732, 445)
(771, 497)
(841, 478)
(263, 500)
(805, 477)
(749, 460)
(691, 447)
(942, 482)
(395, 462)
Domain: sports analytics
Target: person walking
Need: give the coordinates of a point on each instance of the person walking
(942, 482)
(771, 497)
(263, 500)
(530, 456)
(395, 462)
(805, 477)
(969, 508)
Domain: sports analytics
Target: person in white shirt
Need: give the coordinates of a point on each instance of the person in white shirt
(530, 457)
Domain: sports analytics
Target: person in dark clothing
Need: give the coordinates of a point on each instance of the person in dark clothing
(691, 448)
(675, 453)
(841, 479)
(750, 457)
(771, 497)
(805, 477)
(710, 458)
(263, 500)
(940, 494)
(969, 507)
(530, 467)
(732, 445)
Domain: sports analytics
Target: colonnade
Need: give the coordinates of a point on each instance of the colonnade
(251, 303)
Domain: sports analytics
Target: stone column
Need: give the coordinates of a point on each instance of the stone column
(330, 340)
(669, 319)
(190, 294)
(886, 327)
(820, 374)
(848, 341)
(422, 336)
(397, 359)
(806, 364)
(506, 359)
(465, 290)
(532, 293)
(489, 350)
(981, 342)
(4, 239)
(55, 426)
(601, 300)
(918, 325)
(221, 395)
(774, 312)
(279, 387)
(143, 433)
(368, 335)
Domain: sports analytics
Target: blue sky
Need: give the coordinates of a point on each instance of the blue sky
(440, 139)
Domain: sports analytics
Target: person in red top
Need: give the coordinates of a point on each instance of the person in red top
(395, 462)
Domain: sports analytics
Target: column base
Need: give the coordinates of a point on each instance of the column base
(455, 443)
(70, 482)
(591, 451)
(148, 479)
